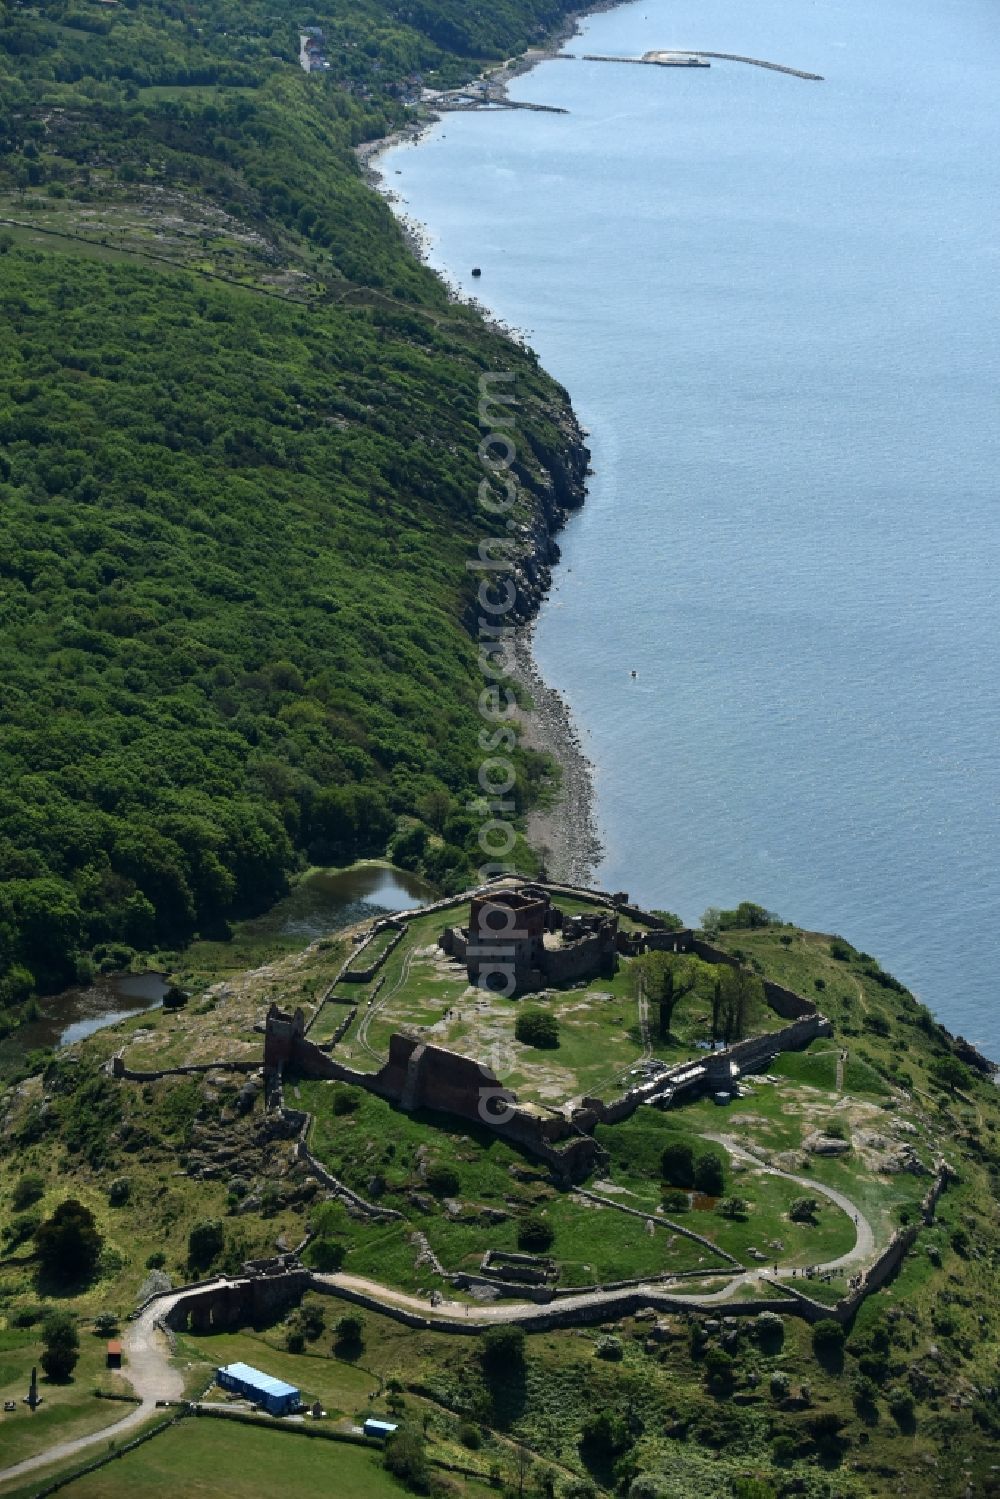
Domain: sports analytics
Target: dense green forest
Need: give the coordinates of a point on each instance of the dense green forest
(236, 489)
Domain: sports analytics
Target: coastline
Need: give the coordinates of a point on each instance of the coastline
(565, 834)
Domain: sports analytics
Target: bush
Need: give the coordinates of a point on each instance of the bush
(326, 1255)
(609, 1348)
(443, 1181)
(295, 1340)
(534, 1234)
(780, 1385)
(105, 1325)
(119, 1192)
(470, 1436)
(828, 1336)
(345, 1100)
(709, 1174)
(719, 1370)
(676, 1202)
(537, 1028)
(803, 1210)
(205, 1243)
(603, 1435)
(733, 1207)
(349, 1332)
(406, 1459)
(502, 1348)
(677, 1164)
(156, 1260)
(28, 1189)
(68, 1244)
(770, 1330)
(900, 1403)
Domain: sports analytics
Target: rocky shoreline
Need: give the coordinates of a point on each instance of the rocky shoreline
(566, 833)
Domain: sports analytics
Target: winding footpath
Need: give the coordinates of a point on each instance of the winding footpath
(149, 1371)
(154, 1378)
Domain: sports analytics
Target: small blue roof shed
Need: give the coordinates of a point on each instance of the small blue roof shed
(380, 1429)
(263, 1389)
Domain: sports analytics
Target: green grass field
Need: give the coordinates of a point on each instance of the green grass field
(67, 1410)
(200, 1457)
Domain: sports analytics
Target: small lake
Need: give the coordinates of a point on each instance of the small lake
(324, 902)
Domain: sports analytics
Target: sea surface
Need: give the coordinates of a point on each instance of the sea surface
(776, 307)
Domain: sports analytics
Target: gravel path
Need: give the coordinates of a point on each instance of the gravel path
(151, 1374)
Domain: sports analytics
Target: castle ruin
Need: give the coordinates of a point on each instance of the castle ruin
(517, 941)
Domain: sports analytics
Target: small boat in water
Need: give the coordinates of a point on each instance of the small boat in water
(476, 271)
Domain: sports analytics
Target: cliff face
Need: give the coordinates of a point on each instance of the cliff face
(556, 485)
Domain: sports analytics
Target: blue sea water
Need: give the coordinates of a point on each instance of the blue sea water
(775, 305)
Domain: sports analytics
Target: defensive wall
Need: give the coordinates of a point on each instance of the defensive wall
(418, 1075)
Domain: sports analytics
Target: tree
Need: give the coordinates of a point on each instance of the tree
(502, 1348)
(949, 1073)
(677, 1164)
(603, 1436)
(326, 1255)
(709, 1174)
(405, 1457)
(68, 1243)
(733, 1207)
(175, 998)
(61, 1346)
(349, 1332)
(803, 1210)
(105, 1325)
(537, 1028)
(741, 998)
(534, 1234)
(206, 1241)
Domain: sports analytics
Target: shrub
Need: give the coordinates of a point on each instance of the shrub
(470, 1436)
(156, 1260)
(205, 1243)
(780, 1384)
(828, 1336)
(119, 1192)
(105, 1325)
(733, 1207)
(676, 1202)
(295, 1340)
(900, 1403)
(803, 1210)
(534, 1234)
(677, 1164)
(784, 1449)
(443, 1181)
(610, 1348)
(709, 1174)
(603, 1435)
(345, 1100)
(719, 1370)
(770, 1330)
(28, 1189)
(537, 1028)
(406, 1459)
(326, 1255)
(502, 1348)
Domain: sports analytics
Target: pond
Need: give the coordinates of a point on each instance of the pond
(323, 902)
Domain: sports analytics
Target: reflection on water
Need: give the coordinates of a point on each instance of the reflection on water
(322, 903)
(327, 902)
(76, 1013)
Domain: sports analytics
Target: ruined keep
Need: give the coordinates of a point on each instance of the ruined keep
(517, 941)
